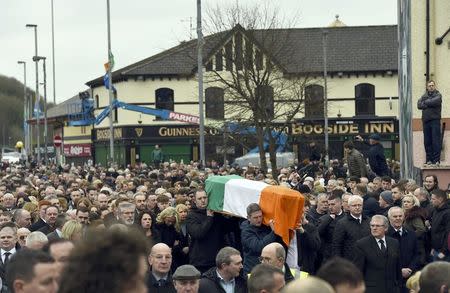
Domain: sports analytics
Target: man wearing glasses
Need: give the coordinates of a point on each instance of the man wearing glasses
(431, 105)
(350, 229)
(160, 260)
(378, 258)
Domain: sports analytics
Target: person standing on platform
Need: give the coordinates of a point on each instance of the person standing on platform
(431, 105)
(157, 156)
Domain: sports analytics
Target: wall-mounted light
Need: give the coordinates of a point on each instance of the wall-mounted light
(340, 74)
(389, 72)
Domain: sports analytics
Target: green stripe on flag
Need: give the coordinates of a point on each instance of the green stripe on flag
(215, 188)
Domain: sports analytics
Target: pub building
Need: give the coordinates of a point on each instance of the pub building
(362, 87)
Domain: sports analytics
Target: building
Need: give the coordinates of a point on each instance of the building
(362, 92)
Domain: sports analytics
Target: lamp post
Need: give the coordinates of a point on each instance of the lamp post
(200, 81)
(37, 92)
(325, 95)
(25, 107)
(110, 88)
(37, 58)
(53, 56)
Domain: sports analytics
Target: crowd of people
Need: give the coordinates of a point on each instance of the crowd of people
(149, 229)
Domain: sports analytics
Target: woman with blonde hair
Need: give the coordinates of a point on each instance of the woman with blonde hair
(72, 230)
(415, 217)
(167, 224)
(181, 252)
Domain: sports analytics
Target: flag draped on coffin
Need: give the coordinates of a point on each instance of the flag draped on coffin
(232, 194)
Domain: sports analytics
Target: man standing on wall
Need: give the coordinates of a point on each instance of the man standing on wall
(157, 156)
(431, 105)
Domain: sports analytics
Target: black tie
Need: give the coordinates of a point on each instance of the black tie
(161, 283)
(382, 246)
(6, 254)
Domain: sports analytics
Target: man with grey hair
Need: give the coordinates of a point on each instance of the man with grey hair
(22, 218)
(225, 277)
(313, 216)
(378, 258)
(125, 213)
(409, 248)
(36, 240)
(350, 229)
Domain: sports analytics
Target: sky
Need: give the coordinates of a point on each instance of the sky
(139, 29)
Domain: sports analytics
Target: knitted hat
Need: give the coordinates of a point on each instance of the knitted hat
(387, 197)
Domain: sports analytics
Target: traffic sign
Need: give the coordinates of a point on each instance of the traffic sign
(57, 140)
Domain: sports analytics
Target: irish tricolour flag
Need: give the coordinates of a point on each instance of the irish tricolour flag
(232, 194)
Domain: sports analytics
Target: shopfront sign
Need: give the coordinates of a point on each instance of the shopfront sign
(77, 150)
(347, 127)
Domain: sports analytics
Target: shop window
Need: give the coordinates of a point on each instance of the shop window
(364, 99)
(264, 94)
(214, 103)
(314, 101)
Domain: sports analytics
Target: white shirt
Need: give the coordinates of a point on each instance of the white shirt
(228, 286)
(384, 242)
(292, 255)
(12, 251)
(359, 218)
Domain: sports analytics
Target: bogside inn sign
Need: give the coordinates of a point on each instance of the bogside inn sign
(347, 127)
(299, 128)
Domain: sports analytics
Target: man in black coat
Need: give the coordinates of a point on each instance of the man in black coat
(431, 105)
(159, 279)
(255, 236)
(370, 204)
(378, 258)
(350, 229)
(440, 225)
(327, 223)
(206, 233)
(377, 160)
(227, 274)
(409, 249)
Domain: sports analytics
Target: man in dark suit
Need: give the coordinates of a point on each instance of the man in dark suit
(378, 258)
(50, 218)
(8, 240)
(59, 223)
(43, 205)
(409, 254)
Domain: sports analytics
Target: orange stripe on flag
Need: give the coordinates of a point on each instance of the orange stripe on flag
(285, 207)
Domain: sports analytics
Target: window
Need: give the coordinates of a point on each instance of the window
(164, 99)
(219, 61)
(314, 101)
(238, 51)
(229, 56)
(364, 99)
(214, 103)
(264, 94)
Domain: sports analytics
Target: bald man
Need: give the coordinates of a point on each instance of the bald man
(309, 285)
(274, 254)
(160, 261)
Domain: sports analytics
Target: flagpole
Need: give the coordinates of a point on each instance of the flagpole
(110, 92)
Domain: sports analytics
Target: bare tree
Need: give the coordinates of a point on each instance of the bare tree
(259, 91)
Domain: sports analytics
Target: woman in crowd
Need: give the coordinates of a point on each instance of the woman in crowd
(72, 230)
(168, 225)
(181, 253)
(145, 220)
(415, 217)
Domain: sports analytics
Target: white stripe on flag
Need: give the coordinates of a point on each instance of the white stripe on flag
(239, 193)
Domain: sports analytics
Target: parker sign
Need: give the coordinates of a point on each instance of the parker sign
(77, 150)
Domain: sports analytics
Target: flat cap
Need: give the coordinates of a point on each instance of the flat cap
(374, 136)
(186, 272)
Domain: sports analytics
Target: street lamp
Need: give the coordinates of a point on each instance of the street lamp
(34, 26)
(110, 87)
(25, 105)
(325, 96)
(200, 43)
(37, 58)
(53, 55)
